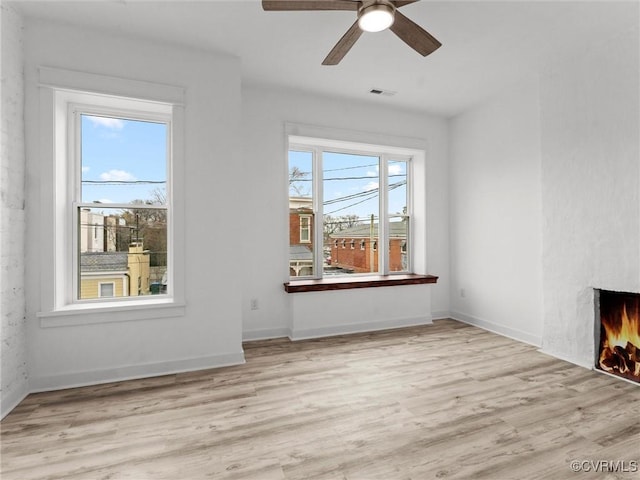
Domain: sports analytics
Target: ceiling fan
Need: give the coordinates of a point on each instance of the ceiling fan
(373, 16)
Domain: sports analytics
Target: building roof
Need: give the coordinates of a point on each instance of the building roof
(300, 252)
(396, 230)
(103, 261)
(300, 203)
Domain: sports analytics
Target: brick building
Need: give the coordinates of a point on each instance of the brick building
(300, 236)
(355, 249)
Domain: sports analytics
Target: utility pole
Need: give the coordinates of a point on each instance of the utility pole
(371, 253)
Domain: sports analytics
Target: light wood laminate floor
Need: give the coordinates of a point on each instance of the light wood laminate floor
(444, 401)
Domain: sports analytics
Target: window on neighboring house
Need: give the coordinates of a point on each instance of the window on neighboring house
(352, 244)
(107, 289)
(305, 228)
(355, 190)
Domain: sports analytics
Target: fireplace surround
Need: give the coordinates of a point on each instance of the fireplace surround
(617, 334)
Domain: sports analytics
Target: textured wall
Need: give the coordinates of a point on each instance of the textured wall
(12, 219)
(496, 214)
(590, 187)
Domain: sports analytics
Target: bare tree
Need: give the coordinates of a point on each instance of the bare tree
(297, 182)
(333, 225)
(148, 225)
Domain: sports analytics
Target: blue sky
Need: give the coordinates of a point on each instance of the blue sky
(351, 183)
(116, 153)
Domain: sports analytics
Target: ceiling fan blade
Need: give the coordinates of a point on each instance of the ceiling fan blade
(343, 45)
(295, 5)
(402, 3)
(414, 35)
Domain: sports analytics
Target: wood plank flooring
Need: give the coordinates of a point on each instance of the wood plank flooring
(444, 401)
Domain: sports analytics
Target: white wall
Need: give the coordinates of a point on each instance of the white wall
(495, 209)
(13, 335)
(264, 113)
(590, 106)
(321, 314)
(209, 334)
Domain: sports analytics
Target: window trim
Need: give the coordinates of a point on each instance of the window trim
(386, 153)
(57, 89)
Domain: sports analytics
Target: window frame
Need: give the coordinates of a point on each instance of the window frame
(59, 88)
(74, 131)
(317, 146)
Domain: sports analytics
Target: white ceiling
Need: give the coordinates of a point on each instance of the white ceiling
(486, 45)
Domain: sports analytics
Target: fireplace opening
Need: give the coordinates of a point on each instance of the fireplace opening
(618, 335)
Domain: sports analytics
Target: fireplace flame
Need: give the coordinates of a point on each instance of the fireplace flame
(620, 343)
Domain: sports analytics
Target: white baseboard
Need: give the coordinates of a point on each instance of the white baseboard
(587, 365)
(503, 330)
(265, 334)
(440, 315)
(11, 400)
(132, 372)
(330, 331)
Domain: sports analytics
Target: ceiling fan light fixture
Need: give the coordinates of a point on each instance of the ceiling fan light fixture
(376, 17)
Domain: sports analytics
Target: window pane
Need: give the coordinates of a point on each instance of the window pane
(398, 216)
(123, 161)
(300, 214)
(107, 289)
(351, 211)
(123, 247)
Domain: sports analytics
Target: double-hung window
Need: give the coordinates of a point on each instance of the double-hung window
(120, 200)
(358, 193)
(112, 151)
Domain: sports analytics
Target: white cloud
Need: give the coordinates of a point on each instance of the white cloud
(117, 176)
(371, 186)
(395, 169)
(107, 122)
(85, 169)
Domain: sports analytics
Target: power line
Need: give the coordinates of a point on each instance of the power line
(124, 182)
(349, 206)
(345, 178)
(350, 168)
(342, 168)
(373, 192)
(361, 194)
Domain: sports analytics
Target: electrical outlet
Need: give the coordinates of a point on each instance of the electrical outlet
(254, 304)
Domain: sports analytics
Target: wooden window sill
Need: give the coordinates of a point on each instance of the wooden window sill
(348, 282)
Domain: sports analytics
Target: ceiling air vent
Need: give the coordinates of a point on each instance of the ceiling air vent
(380, 91)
